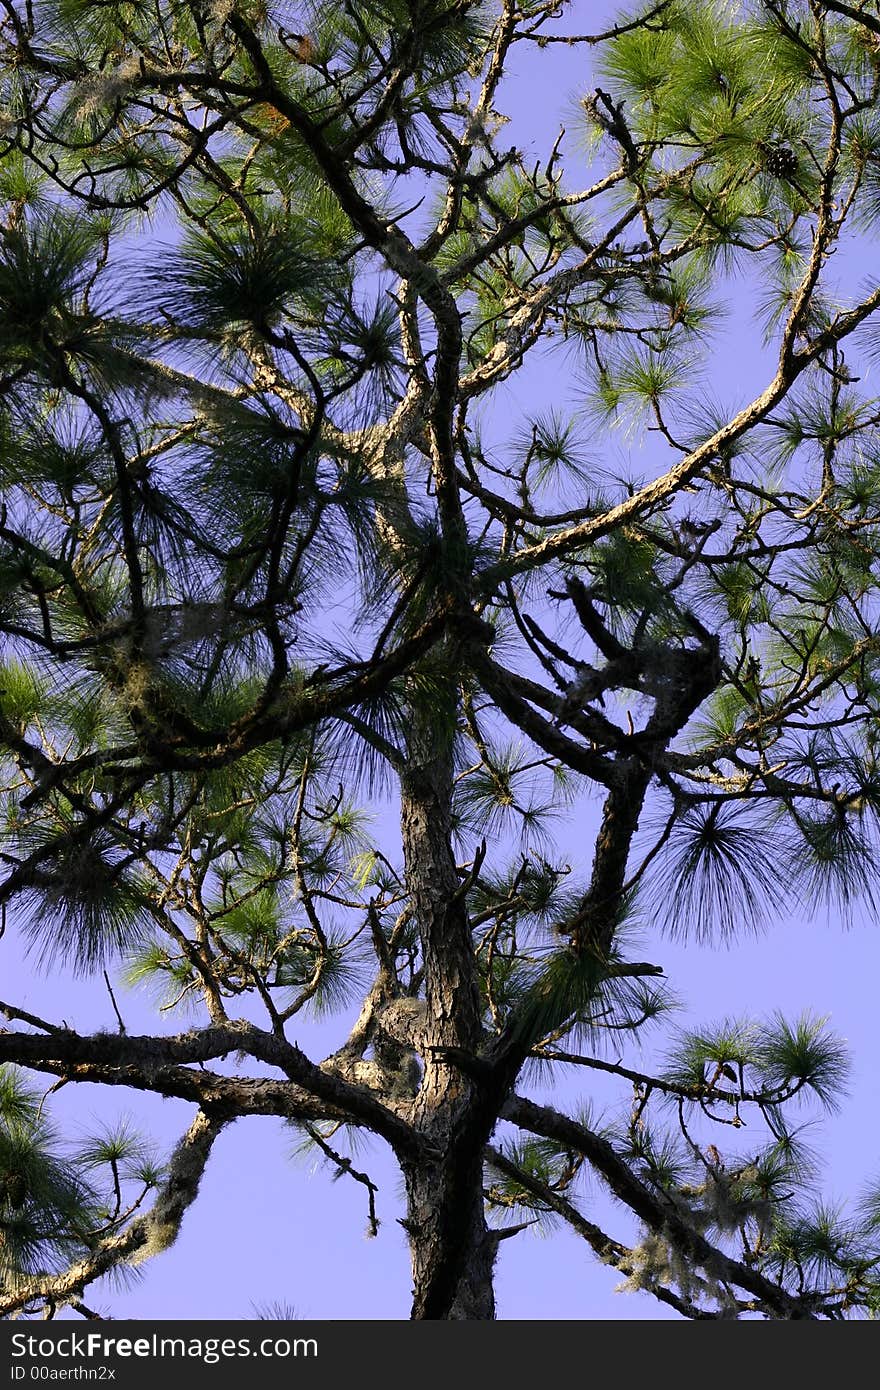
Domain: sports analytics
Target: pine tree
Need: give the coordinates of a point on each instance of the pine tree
(264, 563)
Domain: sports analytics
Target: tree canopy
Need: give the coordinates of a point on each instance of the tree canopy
(270, 557)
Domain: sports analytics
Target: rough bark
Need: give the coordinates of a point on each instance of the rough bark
(450, 1245)
(468, 1294)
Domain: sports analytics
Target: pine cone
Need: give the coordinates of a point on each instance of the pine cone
(780, 162)
(16, 1190)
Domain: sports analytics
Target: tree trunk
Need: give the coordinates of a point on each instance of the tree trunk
(452, 1250)
(473, 1294)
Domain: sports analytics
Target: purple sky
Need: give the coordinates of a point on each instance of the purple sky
(267, 1229)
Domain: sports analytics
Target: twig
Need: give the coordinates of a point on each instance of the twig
(113, 1001)
(344, 1166)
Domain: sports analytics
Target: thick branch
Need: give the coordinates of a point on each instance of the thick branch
(159, 1064)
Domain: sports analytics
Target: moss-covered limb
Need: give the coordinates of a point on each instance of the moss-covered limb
(146, 1235)
(610, 1251)
(656, 1211)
